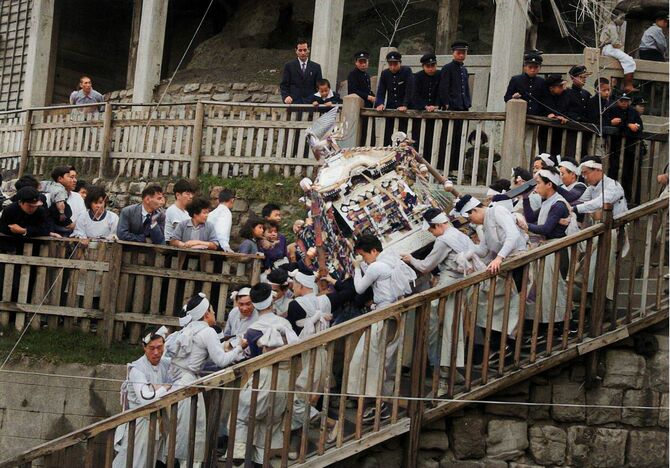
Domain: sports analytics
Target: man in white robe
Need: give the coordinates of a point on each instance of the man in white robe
(390, 279)
(239, 318)
(189, 350)
(146, 381)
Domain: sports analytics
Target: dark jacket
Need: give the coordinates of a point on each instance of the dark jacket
(300, 87)
(425, 90)
(358, 82)
(134, 227)
(594, 108)
(564, 104)
(36, 224)
(395, 90)
(454, 87)
(532, 90)
(627, 116)
(581, 96)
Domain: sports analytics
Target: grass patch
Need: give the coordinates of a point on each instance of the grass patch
(64, 347)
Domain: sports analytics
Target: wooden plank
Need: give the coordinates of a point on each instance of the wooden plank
(53, 262)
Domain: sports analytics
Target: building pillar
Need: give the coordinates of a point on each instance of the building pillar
(38, 78)
(509, 37)
(326, 35)
(149, 50)
(447, 25)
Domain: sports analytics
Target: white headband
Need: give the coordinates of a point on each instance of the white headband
(490, 192)
(200, 310)
(570, 167)
(591, 164)
(242, 292)
(439, 219)
(264, 304)
(546, 158)
(471, 204)
(306, 184)
(552, 176)
(185, 320)
(305, 280)
(162, 332)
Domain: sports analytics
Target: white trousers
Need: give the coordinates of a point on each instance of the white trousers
(627, 62)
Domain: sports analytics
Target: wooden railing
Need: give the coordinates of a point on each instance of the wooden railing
(116, 288)
(583, 324)
(177, 140)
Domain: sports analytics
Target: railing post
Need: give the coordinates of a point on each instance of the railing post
(256, 266)
(25, 143)
(513, 152)
(599, 297)
(196, 142)
(351, 114)
(415, 407)
(105, 168)
(110, 290)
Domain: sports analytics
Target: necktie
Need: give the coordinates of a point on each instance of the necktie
(303, 65)
(147, 224)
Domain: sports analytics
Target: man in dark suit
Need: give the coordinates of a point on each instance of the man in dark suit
(528, 86)
(454, 86)
(145, 221)
(298, 82)
(578, 75)
(358, 81)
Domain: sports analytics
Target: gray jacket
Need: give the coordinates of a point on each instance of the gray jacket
(131, 226)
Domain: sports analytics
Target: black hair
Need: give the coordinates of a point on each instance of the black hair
(525, 174)
(26, 181)
(430, 213)
(81, 184)
(278, 276)
(151, 190)
(271, 225)
(269, 208)
(301, 40)
(289, 266)
(553, 170)
(462, 202)
(194, 302)
(322, 82)
(183, 185)
(248, 227)
(60, 171)
(95, 193)
(483, 138)
(501, 185)
(599, 81)
(240, 287)
(553, 158)
(151, 330)
(368, 242)
(593, 158)
(196, 206)
(260, 292)
(226, 195)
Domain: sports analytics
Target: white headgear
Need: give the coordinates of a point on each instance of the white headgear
(570, 167)
(546, 158)
(552, 176)
(302, 278)
(468, 203)
(591, 164)
(162, 332)
(200, 310)
(441, 218)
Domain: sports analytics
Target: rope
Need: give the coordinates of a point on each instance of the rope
(333, 394)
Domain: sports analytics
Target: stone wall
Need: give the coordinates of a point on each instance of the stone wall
(219, 91)
(36, 408)
(514, 436)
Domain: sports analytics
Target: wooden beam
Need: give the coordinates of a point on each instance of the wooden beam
(447, 25)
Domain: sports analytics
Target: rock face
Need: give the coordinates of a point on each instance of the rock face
(605, 397)
(548, 444)
(625, 369)
(469, 436)
(647, 449)
(599, 447)
(572, 394)
(506, 440)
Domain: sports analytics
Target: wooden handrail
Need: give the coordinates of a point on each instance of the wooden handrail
(448, 115)
(245, 370)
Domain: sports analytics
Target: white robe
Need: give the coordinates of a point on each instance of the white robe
(549, 308)
(137, 391)
(189, 349)
(500, 236)
(390, 279)
(267, 418)
(444, 257)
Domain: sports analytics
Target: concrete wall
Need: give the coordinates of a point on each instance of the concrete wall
(498, 436)
(35, 409)
(14, 32)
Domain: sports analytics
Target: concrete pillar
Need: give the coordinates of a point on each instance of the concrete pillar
(326, 35)
(509, 37)
(351, 114)
(37, 79)
(513, 151)
(447, 25)
(150, 50)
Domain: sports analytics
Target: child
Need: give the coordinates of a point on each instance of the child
(325, 96)
(96, 222)
(273, 246)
